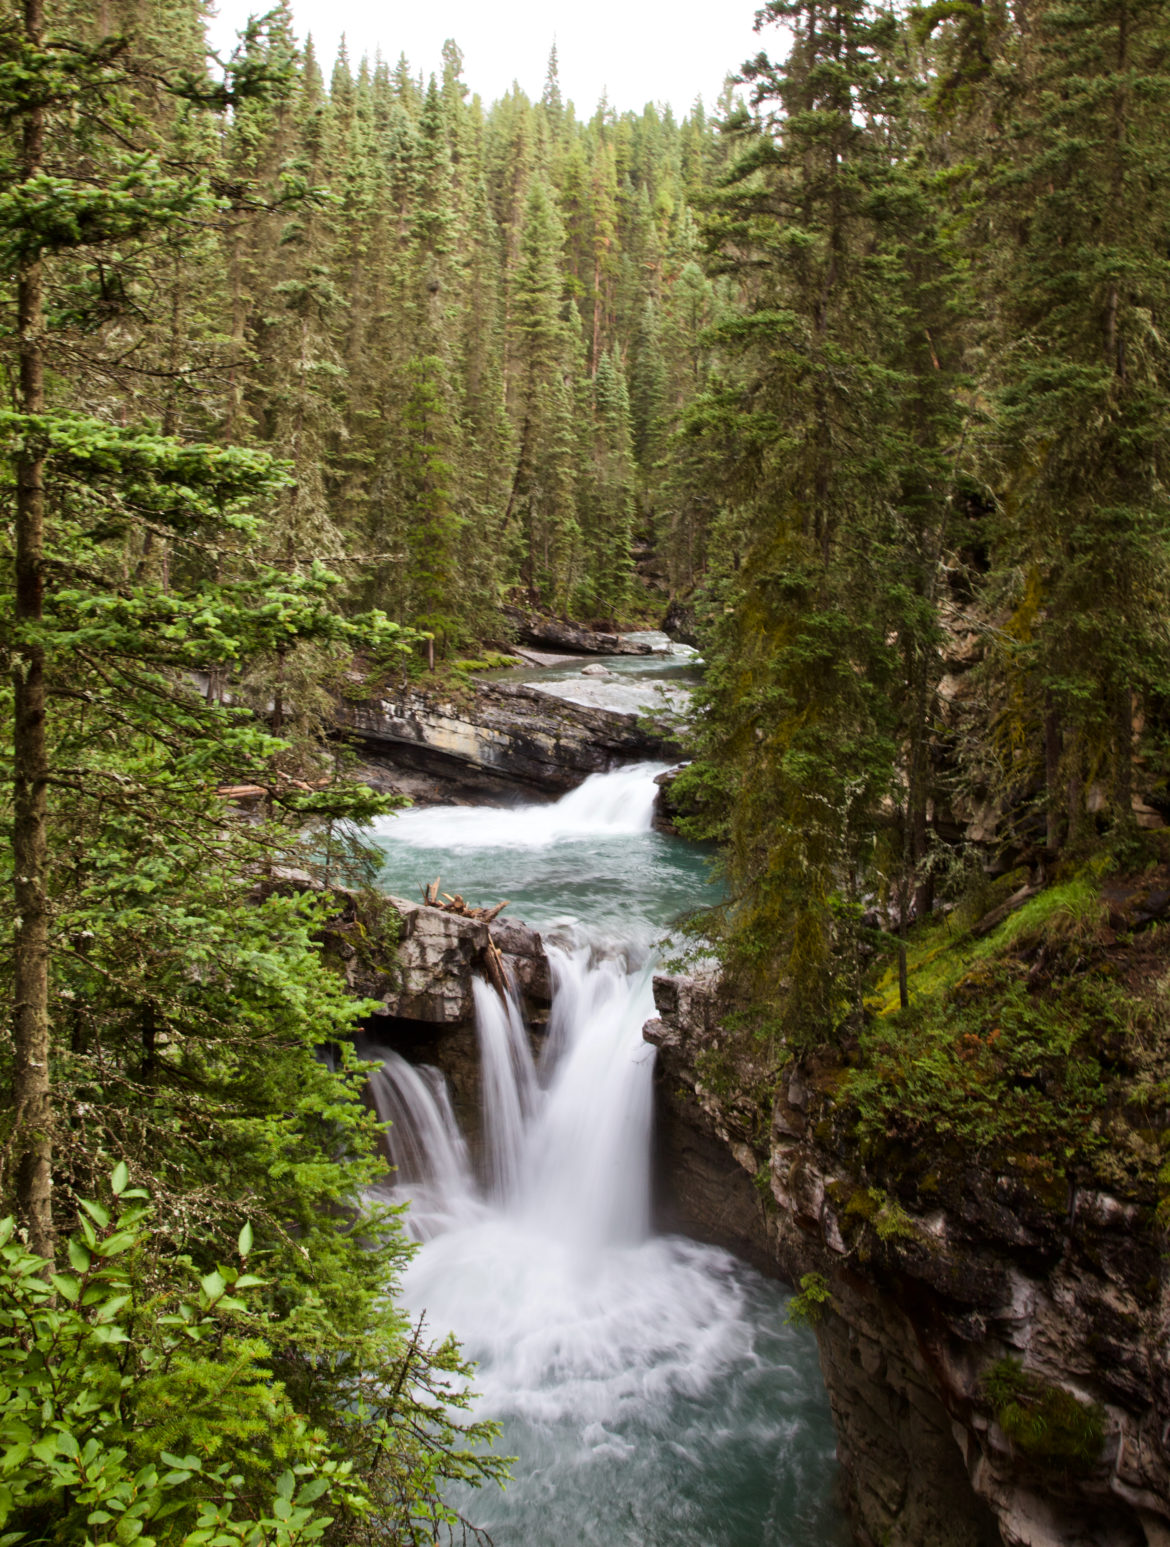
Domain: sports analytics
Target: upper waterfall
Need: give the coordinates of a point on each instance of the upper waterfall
(605, 805)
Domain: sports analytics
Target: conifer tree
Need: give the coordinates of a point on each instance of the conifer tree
(541, 500)
(1077, 447)
(607, 493)
(804, 691)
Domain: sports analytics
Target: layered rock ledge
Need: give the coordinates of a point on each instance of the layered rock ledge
(926, 1300)
(498, 737)
(572, 638)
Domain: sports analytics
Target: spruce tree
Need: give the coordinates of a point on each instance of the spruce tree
(1076, 448)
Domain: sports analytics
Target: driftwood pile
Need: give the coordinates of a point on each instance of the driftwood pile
(434, 899)
(492, 960)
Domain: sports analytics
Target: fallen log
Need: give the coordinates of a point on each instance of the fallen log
(494, 965)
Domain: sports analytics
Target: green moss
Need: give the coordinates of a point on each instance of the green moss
(491, 660)
(864, 1204)
(876, 1207)
(1046, 1422)
(942, 954)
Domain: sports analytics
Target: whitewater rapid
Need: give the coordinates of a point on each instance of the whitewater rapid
(648, 1384)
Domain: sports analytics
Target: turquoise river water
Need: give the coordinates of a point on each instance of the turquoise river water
(650, 1386)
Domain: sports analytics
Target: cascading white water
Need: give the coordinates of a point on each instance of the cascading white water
(588, 1154)
(648, 1384)
(605, 806)
(509, 1087)
(425, 1142)
(432, 1165)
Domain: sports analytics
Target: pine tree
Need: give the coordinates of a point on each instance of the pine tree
(606, 493)
(541, 500)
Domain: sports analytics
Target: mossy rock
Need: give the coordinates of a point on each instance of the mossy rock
(1045, 1422)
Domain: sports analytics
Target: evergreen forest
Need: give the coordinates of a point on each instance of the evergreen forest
(313, 374)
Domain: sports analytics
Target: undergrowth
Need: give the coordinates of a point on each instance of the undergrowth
(1016, 1044)
(990, 1062)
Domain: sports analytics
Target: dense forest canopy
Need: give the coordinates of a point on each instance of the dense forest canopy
(300, 371)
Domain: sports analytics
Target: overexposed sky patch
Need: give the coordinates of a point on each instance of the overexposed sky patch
(635, 51)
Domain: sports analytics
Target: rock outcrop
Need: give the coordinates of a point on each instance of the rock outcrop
(571, 638)
(970, 1272)
(505, 736)
(438, 956)
(420, 963)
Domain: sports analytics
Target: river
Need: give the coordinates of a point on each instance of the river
(649, 1385)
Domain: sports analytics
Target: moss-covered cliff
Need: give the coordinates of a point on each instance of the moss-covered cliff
(971, 1193)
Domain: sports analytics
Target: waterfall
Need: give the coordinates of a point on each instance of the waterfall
(588, 1148)
(605, 806)
(509, 1086)
(432, 1167)
(572, 1156)
(648, 1384)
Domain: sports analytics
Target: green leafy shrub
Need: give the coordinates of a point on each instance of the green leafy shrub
(814, 1299)
(140, 1402)
(101, 1375)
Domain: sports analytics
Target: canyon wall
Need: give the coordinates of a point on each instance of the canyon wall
(930, 1290)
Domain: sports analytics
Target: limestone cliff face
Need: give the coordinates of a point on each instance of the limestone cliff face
(931, 1292)
(505, 735)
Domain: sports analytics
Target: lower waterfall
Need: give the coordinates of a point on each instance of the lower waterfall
(649, 1385)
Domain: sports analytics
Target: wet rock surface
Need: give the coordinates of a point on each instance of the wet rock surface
(929, 1292)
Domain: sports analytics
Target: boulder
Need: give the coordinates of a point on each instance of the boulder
(439, 954)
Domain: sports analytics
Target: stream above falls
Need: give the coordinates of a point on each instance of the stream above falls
(658, 684)
(649, 1385)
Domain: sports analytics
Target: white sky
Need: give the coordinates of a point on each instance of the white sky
(636, 50)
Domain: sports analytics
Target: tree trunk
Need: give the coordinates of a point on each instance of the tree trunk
(1053, 757)
(31, 1097)
(1123, 757)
